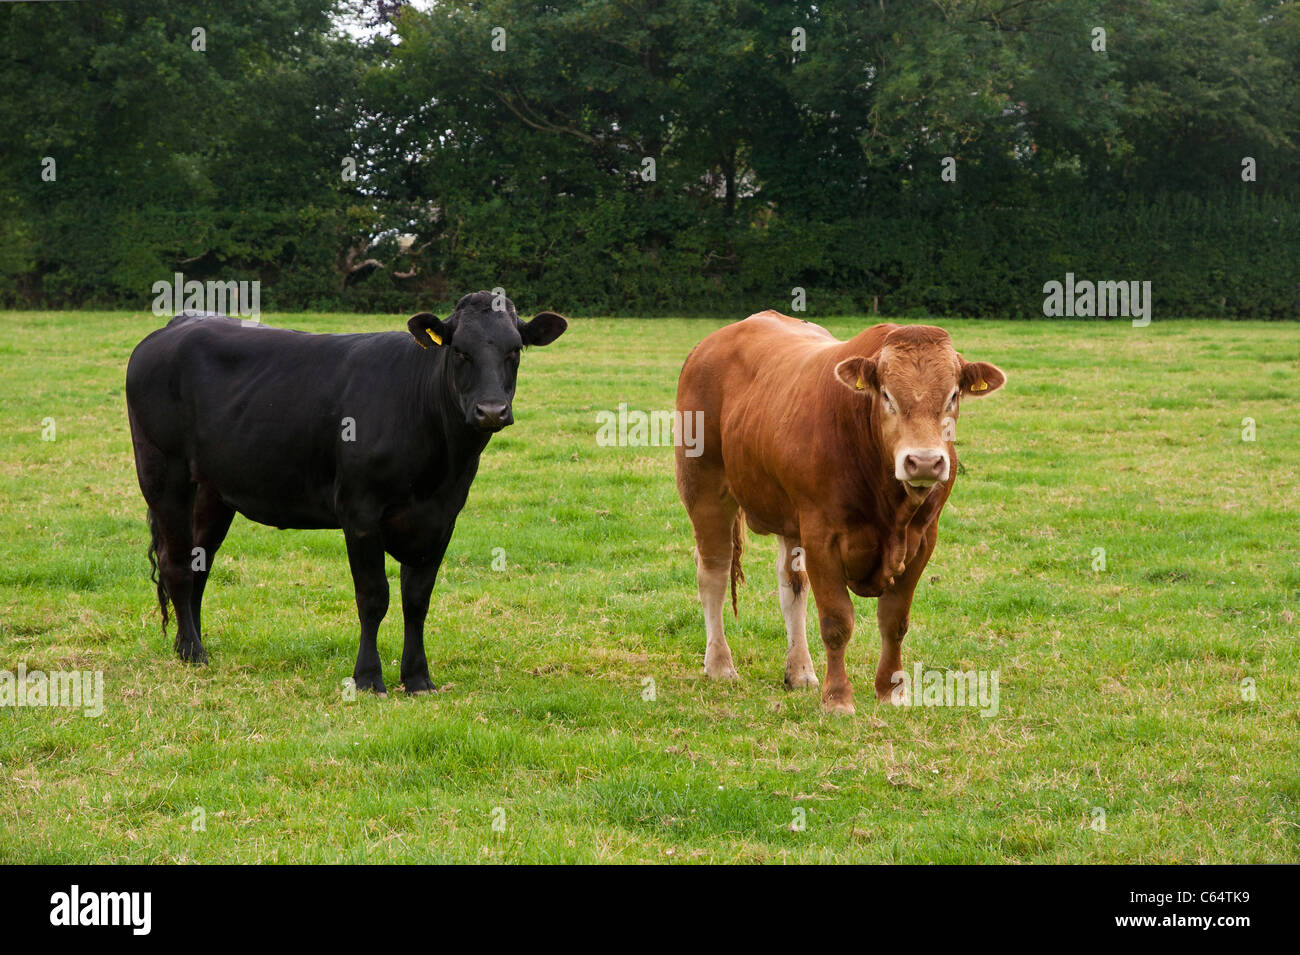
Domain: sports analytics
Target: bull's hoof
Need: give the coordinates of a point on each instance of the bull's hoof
(419, 684)
(891, 687)
(838, 705)
(799, 677)
(724, 670)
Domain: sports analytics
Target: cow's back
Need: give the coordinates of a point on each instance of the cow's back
(251, 408)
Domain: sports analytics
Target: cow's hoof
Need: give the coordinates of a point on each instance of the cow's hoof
(371, 684)
(190, 653)
(798, 679)
(419, 684)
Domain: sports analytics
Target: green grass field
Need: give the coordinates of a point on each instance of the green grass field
(1120, 690)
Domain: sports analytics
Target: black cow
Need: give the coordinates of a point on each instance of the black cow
(378, 434)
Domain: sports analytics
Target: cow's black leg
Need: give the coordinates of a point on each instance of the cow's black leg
(417, 586)
(212, 518)
(165, 483)
(366, 556)
(174, 512)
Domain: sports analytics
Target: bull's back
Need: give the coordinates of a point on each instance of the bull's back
(745, 380)
(753, 377)
(740, 356)
(767, 388)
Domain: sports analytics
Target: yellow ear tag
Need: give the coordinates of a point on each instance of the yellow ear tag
(861, 384)
(980, 385)
(437, 339)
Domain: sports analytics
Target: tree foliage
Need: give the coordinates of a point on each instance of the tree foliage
(659, 156)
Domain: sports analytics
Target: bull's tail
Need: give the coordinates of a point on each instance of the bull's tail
(737, 546)
(154, 575)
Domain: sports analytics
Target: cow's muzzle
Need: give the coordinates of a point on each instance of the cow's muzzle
(492, 416)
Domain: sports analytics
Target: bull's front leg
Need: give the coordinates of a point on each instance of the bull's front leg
(893, 610)
(366, 557)
(835, 612)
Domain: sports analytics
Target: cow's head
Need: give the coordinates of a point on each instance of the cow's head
(912, 389)
(480, 346)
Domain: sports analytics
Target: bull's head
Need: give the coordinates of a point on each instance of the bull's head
(913, 389)
(479, 345)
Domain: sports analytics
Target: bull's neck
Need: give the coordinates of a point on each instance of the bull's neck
(870, 472)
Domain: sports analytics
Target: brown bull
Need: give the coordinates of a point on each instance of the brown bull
(845, 451)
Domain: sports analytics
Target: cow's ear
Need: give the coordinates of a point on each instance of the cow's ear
(545, 328)
(427, 329)
(857, 374)
(979, 378)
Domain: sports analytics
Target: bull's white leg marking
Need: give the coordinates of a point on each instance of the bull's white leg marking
(712, 578)
(794, 607)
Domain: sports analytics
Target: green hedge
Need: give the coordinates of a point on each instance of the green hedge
(1233, 256)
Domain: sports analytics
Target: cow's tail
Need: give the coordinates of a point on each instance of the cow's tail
(154, 575)
(737, 546)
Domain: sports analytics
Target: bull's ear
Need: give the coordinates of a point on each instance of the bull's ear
(857, 374)
(979, 378)
(545, 328)
(427, 329)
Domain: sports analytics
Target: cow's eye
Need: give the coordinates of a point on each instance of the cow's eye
(462, 356)
(513, 357)
(952, 400)
(890, 407)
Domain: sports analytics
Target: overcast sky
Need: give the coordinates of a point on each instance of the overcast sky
(352, 23)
